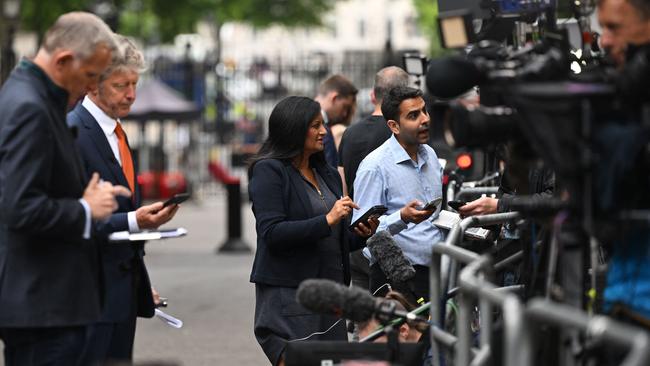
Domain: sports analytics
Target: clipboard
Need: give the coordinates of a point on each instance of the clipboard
(447, 219)
(121, 236)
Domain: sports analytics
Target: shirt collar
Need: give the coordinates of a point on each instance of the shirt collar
(400, 155)
(60, 94)
(106, 123)
(326, 120)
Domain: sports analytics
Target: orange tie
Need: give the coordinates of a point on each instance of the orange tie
(125, 156)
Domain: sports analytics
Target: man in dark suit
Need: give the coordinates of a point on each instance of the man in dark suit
(104, 148)
(49, 278)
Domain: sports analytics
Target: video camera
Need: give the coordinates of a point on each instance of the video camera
(531, 97)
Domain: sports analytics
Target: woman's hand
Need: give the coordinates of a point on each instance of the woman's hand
(341, 209)
(366, 231)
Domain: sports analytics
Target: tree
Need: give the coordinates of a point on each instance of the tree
(161, 20)
(428, 21)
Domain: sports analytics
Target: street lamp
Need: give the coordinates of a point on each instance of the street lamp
(10, 13)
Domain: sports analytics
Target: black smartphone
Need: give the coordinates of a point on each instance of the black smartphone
(456, 204)
(431, 205)
(177, 199)
(373, 212)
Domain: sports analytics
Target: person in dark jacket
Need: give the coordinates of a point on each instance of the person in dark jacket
(301, 223)
(49, 276)
(105, 149)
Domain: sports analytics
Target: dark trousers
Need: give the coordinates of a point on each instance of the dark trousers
(359, 270)
(109, 342)
(60, 346)
(418, 286)
(113, 341)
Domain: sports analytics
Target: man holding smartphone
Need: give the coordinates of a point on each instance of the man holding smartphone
(104, 148)
(404, 175)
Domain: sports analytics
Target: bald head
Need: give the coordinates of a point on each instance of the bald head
(386, 79)
(79, 32)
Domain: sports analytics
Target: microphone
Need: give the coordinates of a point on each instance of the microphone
(328, 297)
(391, 258)
(449, 77)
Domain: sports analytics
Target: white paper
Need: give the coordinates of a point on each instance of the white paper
(121, 236)
(169, 320)
(447, 220)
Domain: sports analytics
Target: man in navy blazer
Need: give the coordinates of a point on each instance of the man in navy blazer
(128, 292)
(49, 278)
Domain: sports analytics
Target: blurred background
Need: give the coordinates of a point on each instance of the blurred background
(215, 70)
(217, 67)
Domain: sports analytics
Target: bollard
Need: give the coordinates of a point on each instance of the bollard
(234, 242)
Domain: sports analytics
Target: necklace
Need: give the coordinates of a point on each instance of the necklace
(315, 186)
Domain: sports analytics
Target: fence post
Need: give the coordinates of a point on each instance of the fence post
(234, 241)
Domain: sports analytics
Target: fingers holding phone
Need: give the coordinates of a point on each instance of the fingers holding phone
(154, 215)
(481, 206)
(367, 229)
(416, 211)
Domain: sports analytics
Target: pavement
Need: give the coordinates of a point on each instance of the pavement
(209, 292)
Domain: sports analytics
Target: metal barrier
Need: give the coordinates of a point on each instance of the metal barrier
(520, 321)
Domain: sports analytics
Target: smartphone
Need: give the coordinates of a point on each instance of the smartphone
(456, 204)
(178, 198)
(431, 205)
(373, 212)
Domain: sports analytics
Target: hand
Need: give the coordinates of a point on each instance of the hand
(156, 297)
(481, 206)
(366, 231)
(410, 212)
(100, 196)
(153, 215)
(342, 208)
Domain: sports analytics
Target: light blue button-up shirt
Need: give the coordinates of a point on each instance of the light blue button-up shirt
(388, 176)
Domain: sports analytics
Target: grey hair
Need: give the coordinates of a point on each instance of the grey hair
(389, 78)
(79, 32)
(127, 58)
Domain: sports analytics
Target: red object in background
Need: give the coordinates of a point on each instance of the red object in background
(464, 161)
(161, 185)
(221, 174)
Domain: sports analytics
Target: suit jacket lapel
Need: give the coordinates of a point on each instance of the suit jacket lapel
(101, 143)
(298, 184)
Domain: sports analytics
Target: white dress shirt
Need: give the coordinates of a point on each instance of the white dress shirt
(108, 125)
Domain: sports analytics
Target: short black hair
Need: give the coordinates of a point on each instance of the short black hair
(391, 102)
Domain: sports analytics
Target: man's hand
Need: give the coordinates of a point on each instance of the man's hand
(410, 212)
(481, 206)
(156, 297)
(154, 215)
(100, 196)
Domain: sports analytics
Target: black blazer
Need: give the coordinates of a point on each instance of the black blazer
(117, 259)
(287, 228)
(48, 273)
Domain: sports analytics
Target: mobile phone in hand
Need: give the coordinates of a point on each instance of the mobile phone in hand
(431, 205)
(373, 212)
(177, 199)
(456, 204)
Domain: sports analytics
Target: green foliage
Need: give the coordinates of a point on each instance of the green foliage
(161, 20)
(428, 21)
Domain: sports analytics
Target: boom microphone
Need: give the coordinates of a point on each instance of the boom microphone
(391, 258)
(328, 297)
(450, 77)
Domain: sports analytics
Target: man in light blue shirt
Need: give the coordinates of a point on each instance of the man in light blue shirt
(403, 174)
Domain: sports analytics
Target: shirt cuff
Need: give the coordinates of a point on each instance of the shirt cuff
(86, 234)
(133, 222)
(394, 223)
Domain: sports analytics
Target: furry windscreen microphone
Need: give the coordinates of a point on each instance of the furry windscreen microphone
(329, 297)
(391, 259)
